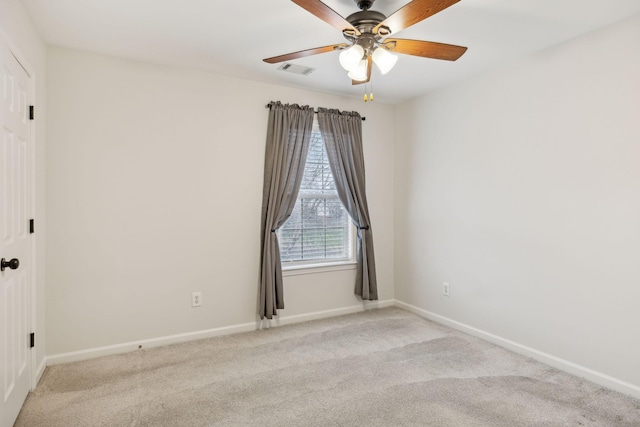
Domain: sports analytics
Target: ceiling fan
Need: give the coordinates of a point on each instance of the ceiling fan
(368, 31)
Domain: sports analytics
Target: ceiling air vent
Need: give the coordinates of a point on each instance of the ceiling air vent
(296, 69)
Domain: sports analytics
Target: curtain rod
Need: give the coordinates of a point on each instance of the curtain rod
(314, 111)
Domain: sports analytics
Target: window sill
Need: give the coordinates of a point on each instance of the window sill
(296, 270)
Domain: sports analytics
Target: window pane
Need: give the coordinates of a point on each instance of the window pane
(319, 228)
(317, 174)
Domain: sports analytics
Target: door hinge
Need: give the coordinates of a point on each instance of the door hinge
(32, 337)
(31, 112)
(32, 226)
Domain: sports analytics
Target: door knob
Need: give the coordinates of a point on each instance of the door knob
(12, 264)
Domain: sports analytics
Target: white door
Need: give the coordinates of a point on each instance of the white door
(15, 294)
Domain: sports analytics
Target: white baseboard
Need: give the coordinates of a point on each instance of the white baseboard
(287, 320)
(556, 362)
(209, 333)
(109, 350)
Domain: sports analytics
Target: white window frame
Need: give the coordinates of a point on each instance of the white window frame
(291, 268)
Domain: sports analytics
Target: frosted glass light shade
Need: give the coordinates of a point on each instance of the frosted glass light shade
(349, 58)
(384, 60)
(359, 73)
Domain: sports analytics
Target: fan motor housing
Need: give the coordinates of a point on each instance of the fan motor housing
(365, 20)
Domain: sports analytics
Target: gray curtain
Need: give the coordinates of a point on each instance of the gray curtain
(288, 136)
(342, 135)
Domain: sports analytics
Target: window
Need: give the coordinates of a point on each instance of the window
(319, 229)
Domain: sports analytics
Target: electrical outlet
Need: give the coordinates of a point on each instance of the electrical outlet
(445, 289)
(196, 299)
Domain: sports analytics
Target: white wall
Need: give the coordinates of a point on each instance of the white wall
(521, 188)
(154, 191)
(25, 42)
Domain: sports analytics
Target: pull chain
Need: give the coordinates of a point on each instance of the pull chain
(370, 97)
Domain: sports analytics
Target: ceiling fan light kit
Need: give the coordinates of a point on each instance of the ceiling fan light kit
(352, 58)
(368, 31)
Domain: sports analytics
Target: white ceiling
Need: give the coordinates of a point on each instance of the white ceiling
(232, 37)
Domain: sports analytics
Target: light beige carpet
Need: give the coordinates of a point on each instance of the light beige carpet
(383, 367)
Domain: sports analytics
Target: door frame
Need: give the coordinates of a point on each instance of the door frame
(34, 373)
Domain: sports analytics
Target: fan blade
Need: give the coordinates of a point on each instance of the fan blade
(303, 53)
(425, 49)
(412, 13)
(328, 15)
(369, 67)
